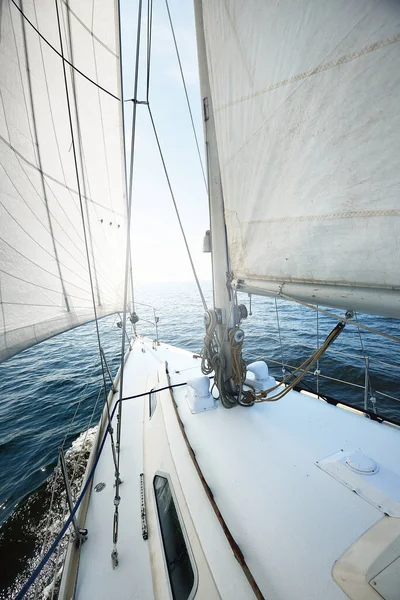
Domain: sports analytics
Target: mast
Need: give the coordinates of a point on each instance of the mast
(219, 253)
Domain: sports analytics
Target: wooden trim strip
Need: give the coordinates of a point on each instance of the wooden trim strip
(234, 546)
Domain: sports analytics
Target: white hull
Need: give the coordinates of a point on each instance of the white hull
(291, 519)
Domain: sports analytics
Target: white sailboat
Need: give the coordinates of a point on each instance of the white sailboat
(284, 496)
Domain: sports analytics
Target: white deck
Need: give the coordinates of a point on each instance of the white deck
(291, 519)
(132, 579)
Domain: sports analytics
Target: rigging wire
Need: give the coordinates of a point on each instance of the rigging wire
(85, 179)
(176, 210)
(280, 339)
(317, 370)
(368, 385)
(339, 318)
(149, 34)
(42, 173)
(33, 576)
(38, 155)
(101, 112)
(149, 39)
(187, 95)
(297, 375)
(60, 54)
(114, 553)
(83, 219)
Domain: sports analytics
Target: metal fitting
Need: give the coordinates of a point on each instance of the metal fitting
(239, 336)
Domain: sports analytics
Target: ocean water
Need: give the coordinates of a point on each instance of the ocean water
(49, 394)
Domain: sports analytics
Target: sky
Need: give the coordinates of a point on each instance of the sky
(158, 251)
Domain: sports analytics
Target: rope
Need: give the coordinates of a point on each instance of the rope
(114, 553)
(297, 375)
(82, 214)
(67, 523)
(343, 319)
(212, 359)
(238, 365)
(187, 96)
(177, 211)
(357, 385)
(60, 54)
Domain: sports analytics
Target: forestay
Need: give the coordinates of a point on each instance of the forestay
(306, 98)
(44, 277)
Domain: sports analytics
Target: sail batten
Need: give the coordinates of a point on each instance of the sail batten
(44, 275)
(306, 99)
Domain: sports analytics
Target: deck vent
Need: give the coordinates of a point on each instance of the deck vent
(373, 482)
(360, 463)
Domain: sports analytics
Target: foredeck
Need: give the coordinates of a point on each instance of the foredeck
(291, 519)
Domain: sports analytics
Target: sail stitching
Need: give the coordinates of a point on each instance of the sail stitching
(90, 31)
(105, 282)
(30, 101)
(345, 215)
(314, 71)
(85, 180)
(70, 189)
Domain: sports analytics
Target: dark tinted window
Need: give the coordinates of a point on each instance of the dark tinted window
(180, 570)
(152, 403)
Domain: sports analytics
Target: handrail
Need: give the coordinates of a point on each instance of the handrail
(156, 319)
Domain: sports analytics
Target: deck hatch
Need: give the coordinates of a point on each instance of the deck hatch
(180, 570)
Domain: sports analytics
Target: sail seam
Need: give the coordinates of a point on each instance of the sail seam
(90, 31)
(28, 162)
(85, 184)
(345, 215)
(100, 110)
(39, 162)
(314, 71)
(61, 56)
(42, 287)
(42, 268)
(87, 197)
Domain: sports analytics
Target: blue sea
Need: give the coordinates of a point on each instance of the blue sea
(49, 394)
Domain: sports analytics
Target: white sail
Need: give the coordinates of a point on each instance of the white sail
(44, 278)
(306, 100)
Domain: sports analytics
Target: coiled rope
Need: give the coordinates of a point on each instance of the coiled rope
(212, 359)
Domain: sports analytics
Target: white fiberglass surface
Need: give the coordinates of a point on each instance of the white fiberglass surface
(290, 519)
(132, 578)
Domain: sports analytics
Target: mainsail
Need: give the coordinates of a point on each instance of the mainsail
(52, 181)
(306, 102)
